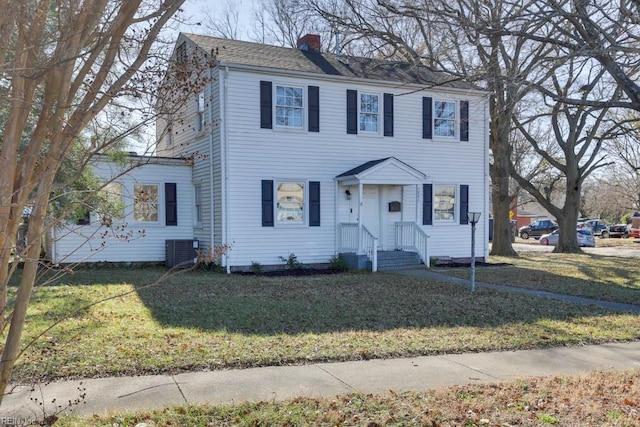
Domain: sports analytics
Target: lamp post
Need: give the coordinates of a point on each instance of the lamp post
(473, 218)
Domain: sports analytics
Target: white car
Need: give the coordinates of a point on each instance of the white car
(585, 238)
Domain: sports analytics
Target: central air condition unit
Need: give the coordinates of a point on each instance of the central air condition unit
(181, 253)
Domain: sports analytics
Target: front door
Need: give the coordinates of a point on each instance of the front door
(370, 210)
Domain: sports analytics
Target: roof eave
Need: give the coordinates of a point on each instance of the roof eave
(412, 86)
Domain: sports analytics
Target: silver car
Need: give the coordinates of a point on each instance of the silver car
(585, 238)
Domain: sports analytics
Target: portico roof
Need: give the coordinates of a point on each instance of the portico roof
(389, 171)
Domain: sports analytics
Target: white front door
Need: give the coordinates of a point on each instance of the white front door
(370, 210)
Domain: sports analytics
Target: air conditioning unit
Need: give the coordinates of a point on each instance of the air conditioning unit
(180, 253)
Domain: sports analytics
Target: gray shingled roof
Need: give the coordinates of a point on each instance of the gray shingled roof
(235, 52)
(363, 167)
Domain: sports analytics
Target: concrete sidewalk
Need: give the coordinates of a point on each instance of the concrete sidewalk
(110, 395)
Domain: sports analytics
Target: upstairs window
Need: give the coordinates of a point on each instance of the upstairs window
(289, 106)
(369, 112)
(444, 119)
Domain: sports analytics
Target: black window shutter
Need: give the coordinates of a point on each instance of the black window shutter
(314, 109)
(427, 204)
(388, 114)
(314, 203)
(170, 203)
(352, 111)
(464, 204)
(427, 117)
(267, 203)
(266, 110)
(464, 120)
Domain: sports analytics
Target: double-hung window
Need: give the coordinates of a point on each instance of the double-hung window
(369, 113)
(145, 202)
(444, 202)
(444, 119)
(290, 196)
(289, 107)
(197, 190)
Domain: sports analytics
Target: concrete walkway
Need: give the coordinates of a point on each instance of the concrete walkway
(109, 395)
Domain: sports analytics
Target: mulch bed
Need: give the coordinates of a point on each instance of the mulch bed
(291, 272)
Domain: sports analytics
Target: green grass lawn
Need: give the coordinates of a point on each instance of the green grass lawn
(202, 320)
(592, 276)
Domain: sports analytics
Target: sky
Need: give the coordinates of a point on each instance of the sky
(195, 10)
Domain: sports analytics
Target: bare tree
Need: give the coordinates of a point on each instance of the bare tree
(567, 141)
(283, 22)
(64, 65)
(469, 39)
(224, 23)
(607, 32)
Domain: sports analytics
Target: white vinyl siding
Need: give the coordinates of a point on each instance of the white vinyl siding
(255, 155)
(126, 240)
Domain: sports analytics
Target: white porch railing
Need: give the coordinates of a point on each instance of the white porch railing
(410, 237)
(348, 237)
(370, 248)
(365, 243)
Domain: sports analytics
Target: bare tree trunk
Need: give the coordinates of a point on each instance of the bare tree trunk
(11, 350)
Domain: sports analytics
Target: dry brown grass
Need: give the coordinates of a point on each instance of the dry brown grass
(606, 278)
(596, 399)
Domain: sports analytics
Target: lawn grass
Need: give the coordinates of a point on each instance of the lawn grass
(592, 276)
(595, 399)
(201, 320)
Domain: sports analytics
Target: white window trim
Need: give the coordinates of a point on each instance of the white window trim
(201, 119)
(304, 107)
(456, 204)
(197, 223)
(379, 114)
(456, 121)
(305, 204)
(161, 201)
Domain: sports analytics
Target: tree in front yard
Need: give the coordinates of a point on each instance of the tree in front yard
(65, 65)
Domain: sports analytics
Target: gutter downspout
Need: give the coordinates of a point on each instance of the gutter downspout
(224, 172)
(336, 224)
(211, 181)
(486, 180)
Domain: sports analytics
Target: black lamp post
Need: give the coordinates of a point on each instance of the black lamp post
(473, 217)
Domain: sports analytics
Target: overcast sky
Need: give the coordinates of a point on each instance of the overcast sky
(194, 9)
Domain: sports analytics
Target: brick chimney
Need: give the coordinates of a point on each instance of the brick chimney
(309, 42)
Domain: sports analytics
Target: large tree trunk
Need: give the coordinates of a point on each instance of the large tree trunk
(568, 242)
(500, 169)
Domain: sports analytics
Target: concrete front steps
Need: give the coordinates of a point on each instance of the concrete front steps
(387, 260)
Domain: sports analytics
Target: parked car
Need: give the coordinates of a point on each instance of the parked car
(585, 238)
(618, 230)
(537, 229)
(597, 227)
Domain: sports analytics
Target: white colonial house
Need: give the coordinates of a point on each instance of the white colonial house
(307, 153)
